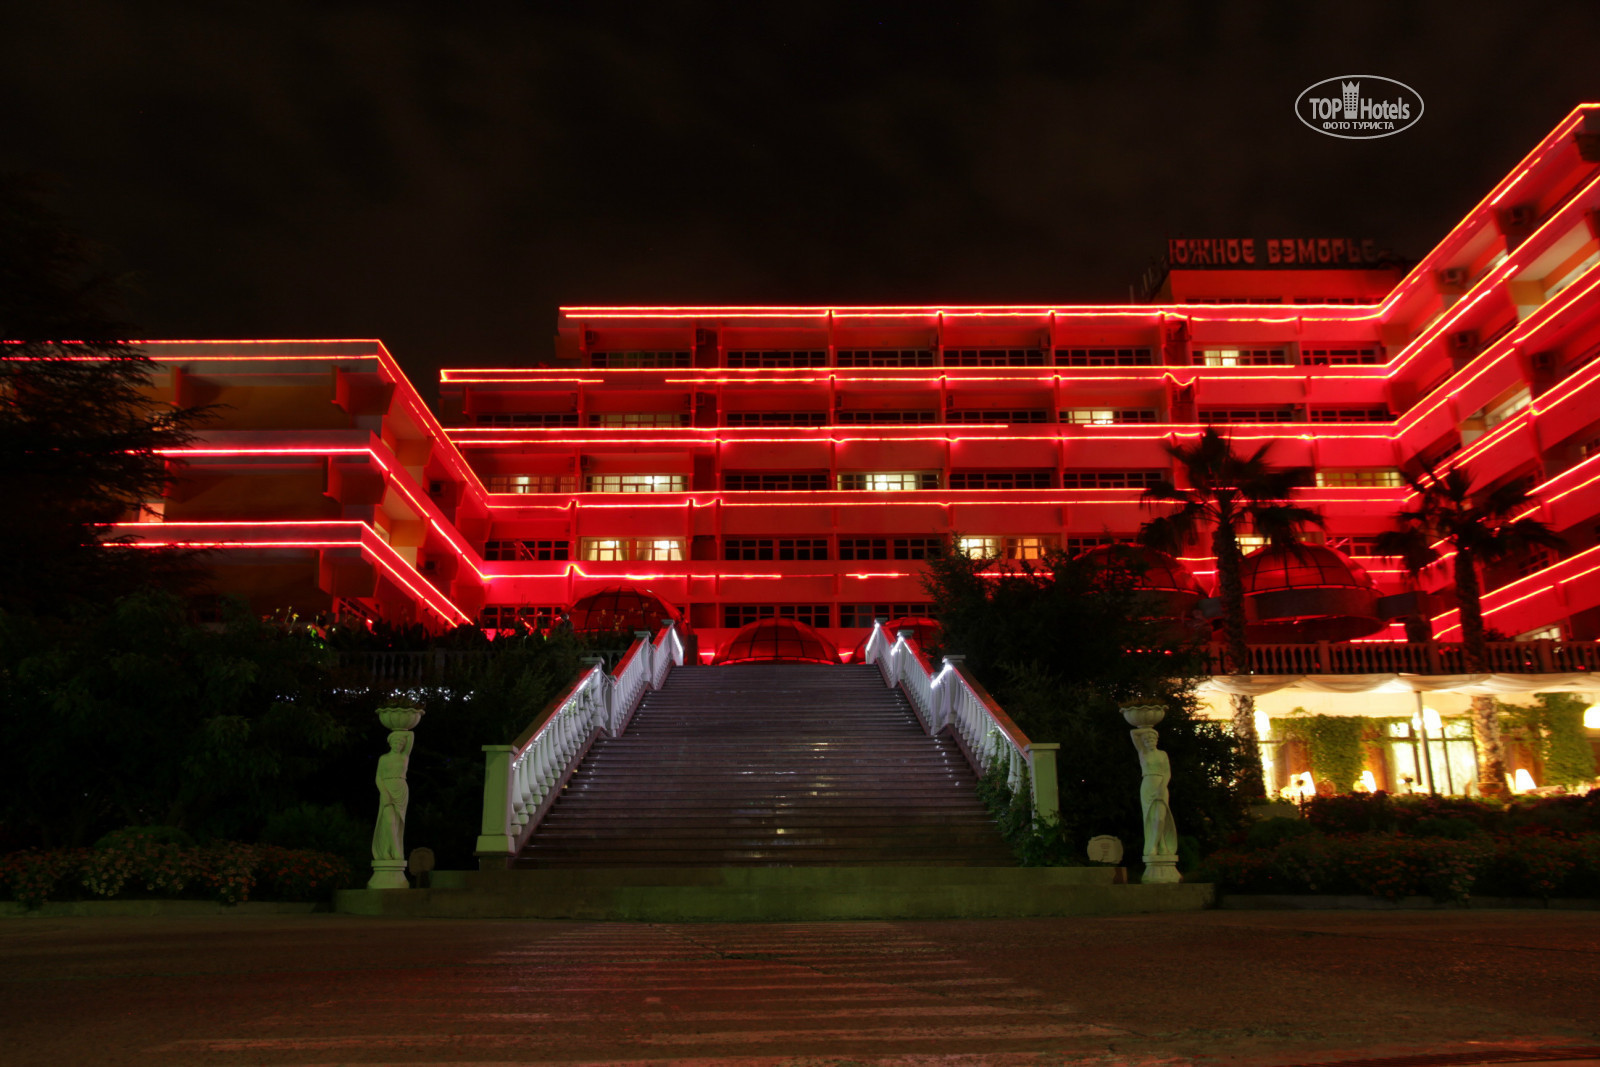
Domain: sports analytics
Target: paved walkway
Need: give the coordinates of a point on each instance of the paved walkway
(1217, 987)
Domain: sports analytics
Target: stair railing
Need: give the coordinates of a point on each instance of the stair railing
(523, 779)
(950, 700)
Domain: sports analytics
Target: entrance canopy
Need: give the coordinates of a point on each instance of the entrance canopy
(777, 641)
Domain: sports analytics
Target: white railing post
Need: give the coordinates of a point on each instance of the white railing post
(647, 649)
(1046, 789)
(496, 836)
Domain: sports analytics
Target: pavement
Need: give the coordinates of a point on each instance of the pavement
(1255, 989)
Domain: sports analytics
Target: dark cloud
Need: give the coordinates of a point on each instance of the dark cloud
(444, 177)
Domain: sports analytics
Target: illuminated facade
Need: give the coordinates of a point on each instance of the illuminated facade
(800, 461)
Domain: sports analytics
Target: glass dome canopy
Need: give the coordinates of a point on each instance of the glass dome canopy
(1307, 593)
(777, 641)
(621, 607)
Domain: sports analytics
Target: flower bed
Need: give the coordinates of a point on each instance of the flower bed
(139, 867)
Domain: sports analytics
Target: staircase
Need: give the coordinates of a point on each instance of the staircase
(770, 765)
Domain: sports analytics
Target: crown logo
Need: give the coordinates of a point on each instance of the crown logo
(1352, 98)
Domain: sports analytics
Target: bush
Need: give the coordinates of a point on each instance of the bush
(1270, 833)
(142, 867)
(320, 828)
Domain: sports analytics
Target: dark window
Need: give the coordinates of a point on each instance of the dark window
(885, 357)
(638, 359)
(917, 547)
(735, 615)
(1367, 414)
(1076, 545)
(1230, 415)
(742, 548)
(851, 548)
(508, 616)
(782, 548)
(802, 548)
(866, 614)
(526, 418)
(998, 415)
(776, 418)
(778, 358)
(1370, 355)
(1033, 479)
(1104, 357)
(530, 550)
(859, 417)
(775, 481)
(994, 357)
(1096, 479)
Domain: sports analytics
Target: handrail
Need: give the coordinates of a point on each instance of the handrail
(952, 700)
(522, 780)
(1413, 657)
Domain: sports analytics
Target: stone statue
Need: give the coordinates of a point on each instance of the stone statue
(1160, 833)
(394, 796)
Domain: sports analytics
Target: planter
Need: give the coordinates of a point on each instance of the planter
(400, 718)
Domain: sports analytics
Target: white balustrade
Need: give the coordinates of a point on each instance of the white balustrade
(521, 778)
(951, 699)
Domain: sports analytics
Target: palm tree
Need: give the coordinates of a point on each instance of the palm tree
(1486, 531)
(1226, 491)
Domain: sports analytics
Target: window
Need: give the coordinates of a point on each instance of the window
(1358, 356)
(885, 357)
(998, 415)
(1243, 357)
(527, 550)
(1236, 415)
(639, 418)
(1532, 559)
(775, 418)
(778, 358)
(1107, 416)
(868, 548)
(1096, 479)
(1366, 414)
(531, 483)
(775, 481)
(994, 357)
(635, 483)
(859, 417)
(1006, 547)
(1104, 357)
(1571, 276)
(638, 359)
(1507, 408)
(867, 614)
(735, 615)
(1078, 545)
(509, 616)
(526, 418)
(1029, 479)
(1355, 546)
(1377, 478)
(782, 548)
(889, 481)
(615, 549)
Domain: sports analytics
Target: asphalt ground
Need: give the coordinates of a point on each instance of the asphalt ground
(1250, 988)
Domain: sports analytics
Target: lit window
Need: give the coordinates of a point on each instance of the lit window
(616, 549)
(1378, 478)
(1504, 410)
(531, 483)
(1090, 416)
(889, 481)
(645, 419)
(635, 483)
(1243, 357)
(985, 547)
(1028, 547)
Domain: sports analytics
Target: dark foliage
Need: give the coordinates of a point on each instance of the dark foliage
(1061, 646)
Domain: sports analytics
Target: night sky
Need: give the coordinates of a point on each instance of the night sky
(444, 176)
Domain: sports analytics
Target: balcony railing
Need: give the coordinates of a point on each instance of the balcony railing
(1411, 657)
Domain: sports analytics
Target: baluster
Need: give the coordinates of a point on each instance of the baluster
(519, 794)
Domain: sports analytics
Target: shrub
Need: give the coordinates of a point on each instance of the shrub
(1270, 833)
(320, 828)
(138, 866)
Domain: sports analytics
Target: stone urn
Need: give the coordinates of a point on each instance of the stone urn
(1143, 716)
(400, 717)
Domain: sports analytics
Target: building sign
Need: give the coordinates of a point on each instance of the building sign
(1213, 253)
(1359, 107)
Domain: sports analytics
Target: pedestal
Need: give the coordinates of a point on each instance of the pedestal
(1160, 870)
(388, 874)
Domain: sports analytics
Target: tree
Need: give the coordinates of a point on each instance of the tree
(1226, 491)
(1061, 644)
(1481, 528)
(83, 438)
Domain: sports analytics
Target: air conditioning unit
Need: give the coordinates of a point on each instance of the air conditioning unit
(1178, 331)
(1464, 340)
(1542, 362)
(583, 462)
(429, 566)
(1517, 218)
(590, 338)
(1453, 278)
(705, 338)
